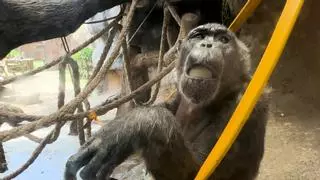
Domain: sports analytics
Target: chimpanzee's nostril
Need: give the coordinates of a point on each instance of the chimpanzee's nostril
(209, 45)
(203, 45)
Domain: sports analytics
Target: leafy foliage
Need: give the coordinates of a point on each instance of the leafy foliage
(84, 59)
(14, 54)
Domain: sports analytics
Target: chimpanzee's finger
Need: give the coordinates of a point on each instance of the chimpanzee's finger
(107, 168)
(115, 157)
(89, 142)
(78, 160)
(91, 169)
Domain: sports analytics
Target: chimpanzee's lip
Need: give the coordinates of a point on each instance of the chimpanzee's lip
(201, 72)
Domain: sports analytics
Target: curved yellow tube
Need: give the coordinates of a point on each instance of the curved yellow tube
(260, 78)
(244, 14)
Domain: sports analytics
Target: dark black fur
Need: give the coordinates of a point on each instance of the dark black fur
(176, 137)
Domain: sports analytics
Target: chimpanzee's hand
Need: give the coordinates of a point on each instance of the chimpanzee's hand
(117, 140)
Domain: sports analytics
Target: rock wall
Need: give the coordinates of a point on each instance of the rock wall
(298, 69)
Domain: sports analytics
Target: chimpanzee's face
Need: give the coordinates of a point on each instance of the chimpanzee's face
(208, 51)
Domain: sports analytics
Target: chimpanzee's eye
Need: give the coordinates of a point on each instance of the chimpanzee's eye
(224, 38)
(197, 35)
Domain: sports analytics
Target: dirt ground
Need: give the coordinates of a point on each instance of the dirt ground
(292, 141)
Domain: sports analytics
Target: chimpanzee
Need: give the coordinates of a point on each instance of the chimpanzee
(175, 137)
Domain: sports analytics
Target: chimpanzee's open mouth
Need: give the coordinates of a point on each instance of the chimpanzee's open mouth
(200, 72)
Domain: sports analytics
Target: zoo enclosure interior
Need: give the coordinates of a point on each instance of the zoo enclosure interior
(279, 22)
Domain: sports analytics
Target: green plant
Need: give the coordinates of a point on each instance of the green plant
(38, 63)
(84, 59)
(14, 54)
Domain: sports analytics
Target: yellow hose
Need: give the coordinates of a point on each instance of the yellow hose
(244, 14)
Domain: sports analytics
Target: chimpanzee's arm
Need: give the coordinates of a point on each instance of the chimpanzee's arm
(153, 130)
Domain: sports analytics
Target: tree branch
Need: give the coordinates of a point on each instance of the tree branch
(26, 21)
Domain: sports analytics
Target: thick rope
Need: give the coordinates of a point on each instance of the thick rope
(65, 44)
(55, 117)
(174, 13)
(19, 117)
(127, 68)
(63, 114)
(127, 72)
(33, 157)
(88, 127)
(166, 18)
(77, 89)
(61, 96)
(100, 110)
(105, 51)
(55, 133)
(74, 72)
(59, 115)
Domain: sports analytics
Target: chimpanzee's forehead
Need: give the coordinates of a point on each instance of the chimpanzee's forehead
(213, 26)
(210, 27)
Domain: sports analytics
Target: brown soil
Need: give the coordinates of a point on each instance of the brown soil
(292, 141)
